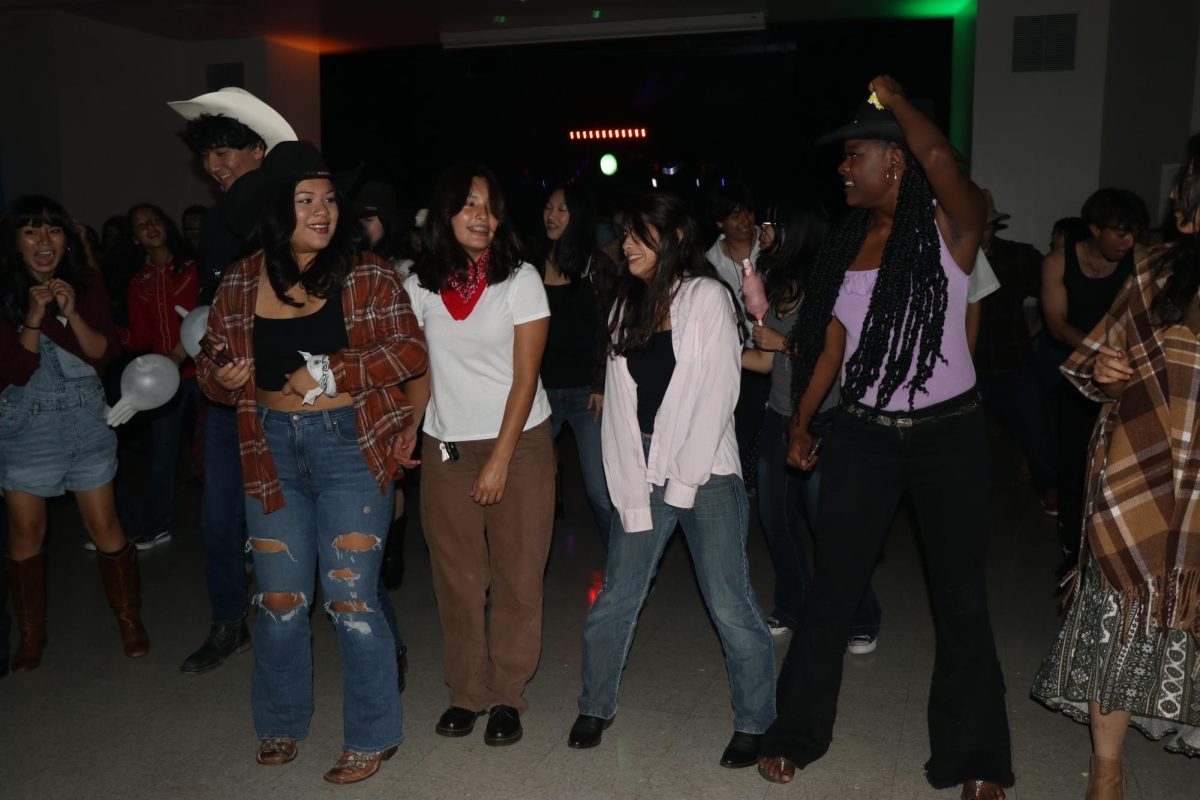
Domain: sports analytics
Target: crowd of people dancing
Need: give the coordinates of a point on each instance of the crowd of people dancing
(822, 364)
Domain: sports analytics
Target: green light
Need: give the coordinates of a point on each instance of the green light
(928, 8)
(499, 19)
(596, 14)
(608, 164)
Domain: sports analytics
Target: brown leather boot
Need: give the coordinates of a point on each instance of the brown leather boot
(122, 584)
(1106, 780)
(27, 580)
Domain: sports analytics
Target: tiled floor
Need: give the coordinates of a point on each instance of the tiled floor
(91, 724)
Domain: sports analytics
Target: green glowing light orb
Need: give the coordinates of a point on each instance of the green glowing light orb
(608, 164)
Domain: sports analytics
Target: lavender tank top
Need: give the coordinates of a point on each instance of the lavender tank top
(951, 377)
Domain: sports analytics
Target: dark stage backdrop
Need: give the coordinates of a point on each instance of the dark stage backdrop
(715, 107)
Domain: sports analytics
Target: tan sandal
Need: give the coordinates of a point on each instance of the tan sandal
(353, 767)
(777, 769)
(982, 790)
(273, 752)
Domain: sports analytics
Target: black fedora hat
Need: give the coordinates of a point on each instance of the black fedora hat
(287, 164)
(873, 122)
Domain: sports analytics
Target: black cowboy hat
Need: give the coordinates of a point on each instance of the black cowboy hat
(874, 123)
(287, 164)
(375, 199)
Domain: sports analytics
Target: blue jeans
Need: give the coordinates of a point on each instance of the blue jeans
(783, 494)
(569, 406)
(335, 522)
(166, 425)
(715, 529)
(223, 516)
(1015, 397)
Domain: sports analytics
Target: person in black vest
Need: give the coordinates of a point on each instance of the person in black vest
(1079, 283)
(230, 131)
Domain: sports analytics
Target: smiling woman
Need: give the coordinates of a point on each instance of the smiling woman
(341, 413)
(55, 334)
(487, 459)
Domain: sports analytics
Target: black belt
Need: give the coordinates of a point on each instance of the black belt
(964, 403)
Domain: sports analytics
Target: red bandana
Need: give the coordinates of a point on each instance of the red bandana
(460, 296)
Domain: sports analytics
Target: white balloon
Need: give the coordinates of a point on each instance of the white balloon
(191, 330)
(149, 381)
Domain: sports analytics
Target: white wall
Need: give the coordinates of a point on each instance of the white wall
(95, 131)
(1148, 106)
(1037, 135)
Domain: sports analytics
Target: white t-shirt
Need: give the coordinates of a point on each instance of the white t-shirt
(471, 360)
(983, 279)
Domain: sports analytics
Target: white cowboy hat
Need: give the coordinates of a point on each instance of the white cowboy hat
(242, 106)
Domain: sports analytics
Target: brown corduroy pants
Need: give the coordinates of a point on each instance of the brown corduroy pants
(495, 553)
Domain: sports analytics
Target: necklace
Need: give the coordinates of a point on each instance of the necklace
(1087, 255)
(729, 250)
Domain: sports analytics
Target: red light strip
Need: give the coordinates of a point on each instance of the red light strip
(607, 133)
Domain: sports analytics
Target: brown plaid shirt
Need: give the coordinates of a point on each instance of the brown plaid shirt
(386, 348)
(1142, 517)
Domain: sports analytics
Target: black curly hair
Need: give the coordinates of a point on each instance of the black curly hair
(907, 312)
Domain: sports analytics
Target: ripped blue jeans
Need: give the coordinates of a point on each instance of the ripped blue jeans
(334, 523)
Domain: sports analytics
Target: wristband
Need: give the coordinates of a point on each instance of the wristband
(318, 367)
(32, 327)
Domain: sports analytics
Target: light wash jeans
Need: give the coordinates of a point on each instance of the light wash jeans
(332, 503)
(715, 529)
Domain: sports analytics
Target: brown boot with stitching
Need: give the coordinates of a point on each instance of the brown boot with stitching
(123, 586)
(27, 580)
(1106, 780)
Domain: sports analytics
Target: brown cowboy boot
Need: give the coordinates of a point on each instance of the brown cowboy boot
(1106, 779)
(122, 584)
(27, 580)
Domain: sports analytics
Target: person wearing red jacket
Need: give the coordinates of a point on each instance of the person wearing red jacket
(167, 280)
(56, 334)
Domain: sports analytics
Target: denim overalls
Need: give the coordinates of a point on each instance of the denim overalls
(53, 437)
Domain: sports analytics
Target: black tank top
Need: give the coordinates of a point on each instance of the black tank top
(651, 370)
(1088, 299)
(278, 342)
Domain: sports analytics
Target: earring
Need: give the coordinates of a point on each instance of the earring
(891, 175)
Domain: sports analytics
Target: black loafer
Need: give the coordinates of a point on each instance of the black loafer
(587, 731)
(504, 726)
(742, 750)
(457, 722)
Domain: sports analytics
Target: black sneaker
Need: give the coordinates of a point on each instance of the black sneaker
(223, 641)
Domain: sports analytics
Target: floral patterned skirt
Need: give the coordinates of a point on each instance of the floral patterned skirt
(1155, 676)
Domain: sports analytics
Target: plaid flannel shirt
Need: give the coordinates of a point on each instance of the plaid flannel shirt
(386, 347)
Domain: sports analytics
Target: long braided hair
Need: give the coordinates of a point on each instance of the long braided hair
(907, 312)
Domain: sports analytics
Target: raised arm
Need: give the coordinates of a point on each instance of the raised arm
(961, 205)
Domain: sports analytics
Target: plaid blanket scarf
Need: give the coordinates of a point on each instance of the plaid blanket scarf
(1142, 513)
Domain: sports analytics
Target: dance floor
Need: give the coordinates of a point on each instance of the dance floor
(92, 724)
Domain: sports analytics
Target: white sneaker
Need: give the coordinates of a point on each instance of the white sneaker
(149, 542)
(860, 644)
(776, 627)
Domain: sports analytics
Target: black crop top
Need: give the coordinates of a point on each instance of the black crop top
(278, 342)
(651, 370)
